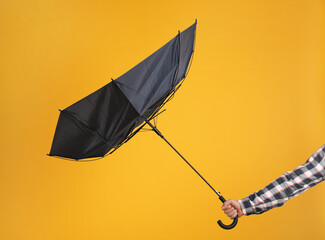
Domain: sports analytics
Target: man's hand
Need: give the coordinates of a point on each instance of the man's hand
(232, 208)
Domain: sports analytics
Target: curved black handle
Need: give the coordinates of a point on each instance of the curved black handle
(231, 226)
(234, 222)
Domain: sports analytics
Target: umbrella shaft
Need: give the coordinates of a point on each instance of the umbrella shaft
(159, 134)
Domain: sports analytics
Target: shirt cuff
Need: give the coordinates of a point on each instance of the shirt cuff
(246, 206)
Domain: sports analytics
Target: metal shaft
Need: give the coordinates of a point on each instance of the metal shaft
(159, 134)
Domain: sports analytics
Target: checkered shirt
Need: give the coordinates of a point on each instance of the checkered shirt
(289, 185)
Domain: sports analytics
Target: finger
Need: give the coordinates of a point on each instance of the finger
(229, 214)
(229, 210)
(232, 213)
(225, 205)
(229, 202)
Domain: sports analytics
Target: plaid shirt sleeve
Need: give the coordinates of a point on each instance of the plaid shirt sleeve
(287, 186)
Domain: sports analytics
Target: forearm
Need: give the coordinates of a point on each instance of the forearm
(271, 196)
(287, 186)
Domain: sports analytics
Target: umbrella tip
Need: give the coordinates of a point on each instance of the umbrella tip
(195, 20)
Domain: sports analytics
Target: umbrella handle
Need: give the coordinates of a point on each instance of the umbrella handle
(234, 222)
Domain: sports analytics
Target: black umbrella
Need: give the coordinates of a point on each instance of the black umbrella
(100, 123)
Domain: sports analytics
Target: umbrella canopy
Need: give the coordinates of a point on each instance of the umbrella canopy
(102, 121)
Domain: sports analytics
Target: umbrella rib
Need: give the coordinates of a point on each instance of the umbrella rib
(84, 126)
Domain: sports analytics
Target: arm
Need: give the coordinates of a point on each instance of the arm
(287, 186)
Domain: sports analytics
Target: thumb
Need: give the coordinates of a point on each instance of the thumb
(227, 204)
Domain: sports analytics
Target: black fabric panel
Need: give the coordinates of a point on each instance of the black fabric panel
(73, 140)
(187, 38)
(152, 78)
(148, 83)
(95, 124)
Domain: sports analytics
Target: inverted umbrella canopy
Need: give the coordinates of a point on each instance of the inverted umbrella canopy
(101, 122)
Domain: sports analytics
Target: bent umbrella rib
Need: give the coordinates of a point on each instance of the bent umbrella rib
(96, 134)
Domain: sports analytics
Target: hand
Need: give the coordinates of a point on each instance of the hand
(232, 208)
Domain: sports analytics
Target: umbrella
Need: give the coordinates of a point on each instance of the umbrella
(103, 121)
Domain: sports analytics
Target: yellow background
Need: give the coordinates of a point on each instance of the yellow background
(251, 108)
